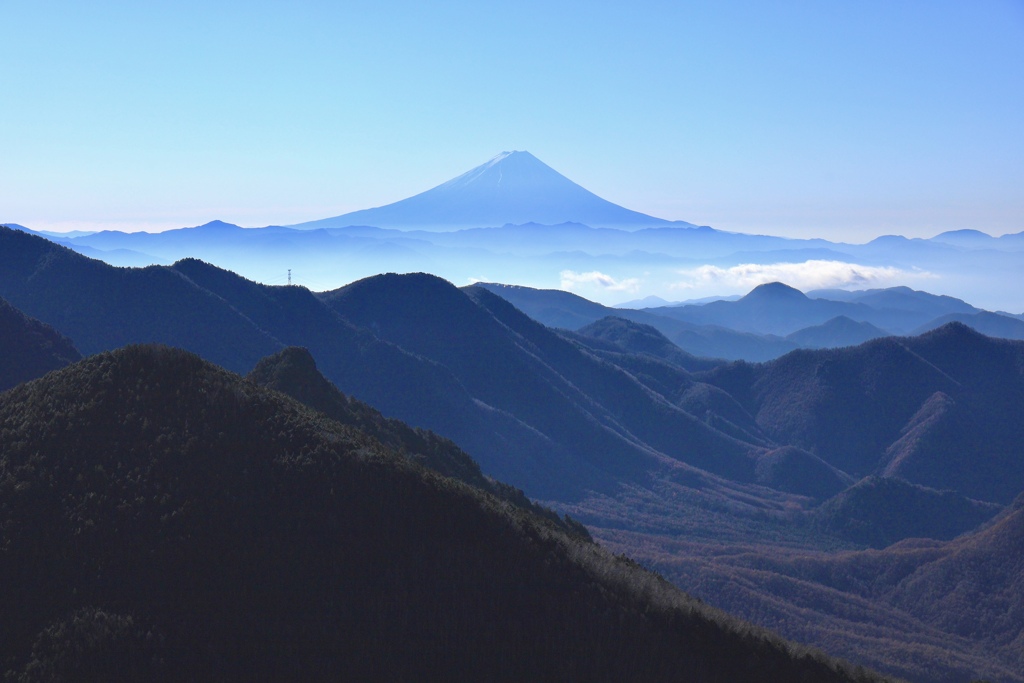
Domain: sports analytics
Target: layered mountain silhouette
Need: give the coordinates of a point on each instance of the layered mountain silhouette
(776, 308)
(512, 188)
(657, 451)
(557, 308)
(532, 407)
(551, 413)
(748, 328)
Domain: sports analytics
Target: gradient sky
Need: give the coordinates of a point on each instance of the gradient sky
(837, 119)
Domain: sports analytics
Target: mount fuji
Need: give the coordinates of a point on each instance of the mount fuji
(512, 188)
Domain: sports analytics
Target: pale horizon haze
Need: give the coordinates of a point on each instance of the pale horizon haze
(844, 121)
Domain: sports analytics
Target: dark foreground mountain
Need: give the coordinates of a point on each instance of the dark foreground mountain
(29, 348)
(166, 520)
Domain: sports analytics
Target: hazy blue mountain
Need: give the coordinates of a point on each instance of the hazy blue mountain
(637, 337)
(772, 308)
(899, 298)
(512, 188)
(646, 302)
(706, 300)
(839, 331)
(115, 255)
(975, 239)
(833, 294)
(776, 308)
(29, 348)
(990, 324)
(557, 308)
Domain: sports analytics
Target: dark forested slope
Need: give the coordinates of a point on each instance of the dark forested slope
(166, 520)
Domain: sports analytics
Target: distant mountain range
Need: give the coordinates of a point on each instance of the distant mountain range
(516, 220)
(772, 319)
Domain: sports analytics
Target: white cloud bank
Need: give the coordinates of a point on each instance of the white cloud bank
(572, 280)
(803, 276)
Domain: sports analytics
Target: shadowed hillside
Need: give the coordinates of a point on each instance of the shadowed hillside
(293, 371)
(941, 410)
(29, 348)
(839, 331)
(166, 520)
(636, 337)
(101, 307)
(602, 417)
(879, 511)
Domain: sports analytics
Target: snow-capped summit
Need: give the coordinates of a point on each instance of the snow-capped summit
(511, 188)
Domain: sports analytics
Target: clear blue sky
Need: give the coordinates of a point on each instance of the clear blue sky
(836, 118)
